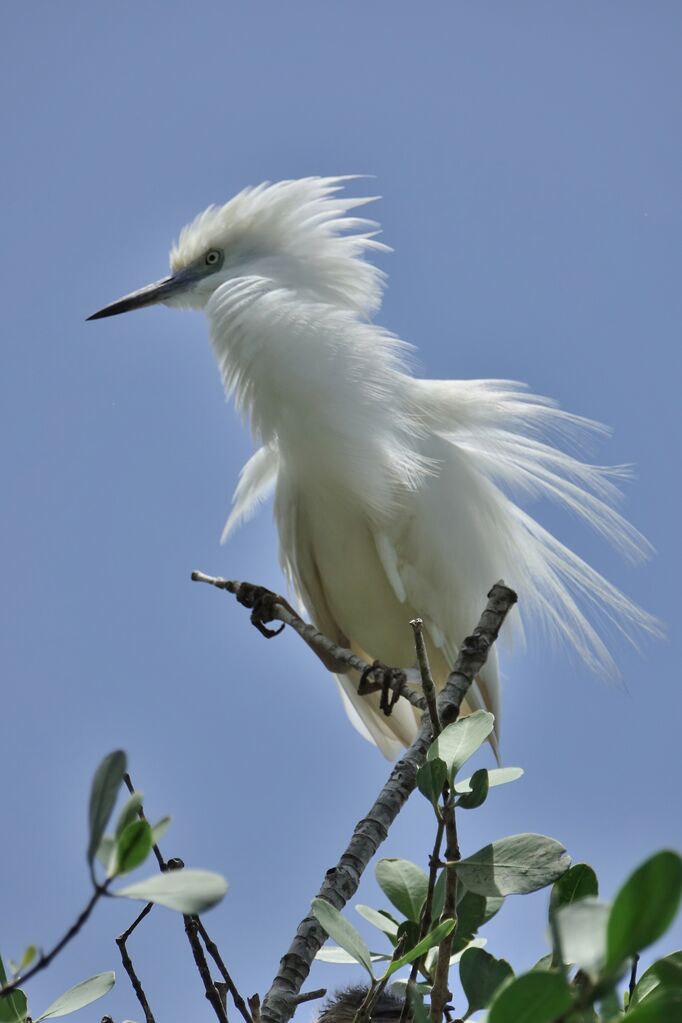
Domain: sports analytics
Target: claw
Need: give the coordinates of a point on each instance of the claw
(386, 676)
(261, 603)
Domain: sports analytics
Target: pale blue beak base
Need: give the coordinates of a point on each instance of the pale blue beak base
(152, 294)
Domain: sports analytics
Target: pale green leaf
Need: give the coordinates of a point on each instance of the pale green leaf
(405, 884)
(582, 932)
(343, 932)
(460, 740)
(80, 995)
(496, 776)
(187, 891)
(378, 919)
(515, 865)
(335, 954)
(160, 829)
(103, 792)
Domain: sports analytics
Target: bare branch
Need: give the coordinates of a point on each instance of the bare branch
(428, 685)
(342, 881)
(212, 993)
(73, 930)
(267, 606)
(214, 953)
(128, 963)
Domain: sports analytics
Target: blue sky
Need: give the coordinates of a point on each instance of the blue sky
(529, 161)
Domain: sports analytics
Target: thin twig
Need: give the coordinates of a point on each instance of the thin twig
(213, 951)
(311, 996)
(269, 606)
(425, 919)
(342, 881)
(633, 977)
(428, 685)
(211, 946)
(73, 930)
(163, 866)
(128, 963)
(212, 994)
(440, 992)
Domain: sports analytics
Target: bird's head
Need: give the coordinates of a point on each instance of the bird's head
(296, 234)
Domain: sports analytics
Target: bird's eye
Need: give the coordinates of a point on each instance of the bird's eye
(213, 257)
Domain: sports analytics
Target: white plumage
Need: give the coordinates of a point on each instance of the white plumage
(395, 497)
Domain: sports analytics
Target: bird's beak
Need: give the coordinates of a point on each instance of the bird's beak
(159, 291)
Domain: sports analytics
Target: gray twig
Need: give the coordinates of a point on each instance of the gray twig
(342, 881)
(212, 993)
(128, 963)
(267, 606)
(428, 685)
(73, 930)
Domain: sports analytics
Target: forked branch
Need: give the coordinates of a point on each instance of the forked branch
(341, 882)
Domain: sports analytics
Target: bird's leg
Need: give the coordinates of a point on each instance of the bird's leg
(261, 602)
(388, 681)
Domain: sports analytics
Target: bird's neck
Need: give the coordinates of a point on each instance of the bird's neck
(329, 389)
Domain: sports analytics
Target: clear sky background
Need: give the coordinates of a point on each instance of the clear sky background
(529, 156)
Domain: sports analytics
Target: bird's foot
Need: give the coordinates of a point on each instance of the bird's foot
(378, 677)
(261, 602)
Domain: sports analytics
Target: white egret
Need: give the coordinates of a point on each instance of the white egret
(395, 497)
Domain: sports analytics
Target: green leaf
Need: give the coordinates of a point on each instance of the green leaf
(431, 778)
(481, 975)
(383, 921)
(514, 866)
(343, 932)
(160, 829)
(14, 1007)
(433, 938)
(103, 793)
(644, 907)
(334, 954)
(663, 1006)
(532, 998)
(479, 791)
(30, 952)
(187, 891)
(460, 740)
(580, 882)
(582, 932)
(405, 884)
(666, 971)
(132, 847)
(105, 851)
(80, 995)
(496, 776)
(129, 813)
(473, 911)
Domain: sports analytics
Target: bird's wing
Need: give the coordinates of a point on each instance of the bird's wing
(256, 482)
(493, 442)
